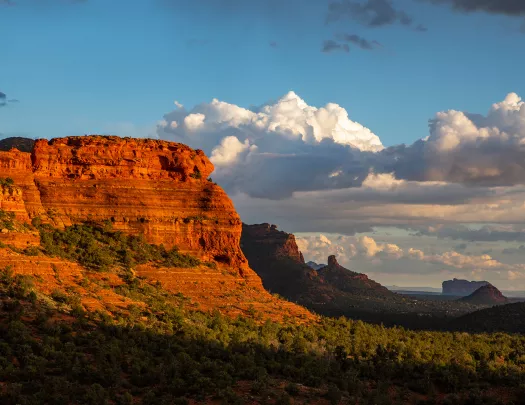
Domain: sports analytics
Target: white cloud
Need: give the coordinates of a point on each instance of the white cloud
(382, 181)
(193, 122)
(306, 148)
(228, 151)
(289, 117)
(465, 147)
(325, 240)
(366, 253)
(295, 146)
(369, 246)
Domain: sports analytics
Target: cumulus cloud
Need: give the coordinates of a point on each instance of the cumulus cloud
(305, 148)
(292, 146)
(229, 151)
(467, 148)
(193, 122)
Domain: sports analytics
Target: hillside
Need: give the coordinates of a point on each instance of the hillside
(509, 318)
(486, 295)
(156, 190)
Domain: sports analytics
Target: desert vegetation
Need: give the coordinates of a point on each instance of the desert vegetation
(100, 248)
(159, 352)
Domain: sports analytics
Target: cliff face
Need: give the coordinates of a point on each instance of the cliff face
(350, 281)
(17, 166)
(11, 199)
(156, 188)
(275, 257)
(461, 287)
(330, 290)
(153, 187)
(271, 242)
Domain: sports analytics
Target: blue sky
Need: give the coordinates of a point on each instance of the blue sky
(85, 67)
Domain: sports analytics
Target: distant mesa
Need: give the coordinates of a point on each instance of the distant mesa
(314, 265)
(461, 288)
(486, 295)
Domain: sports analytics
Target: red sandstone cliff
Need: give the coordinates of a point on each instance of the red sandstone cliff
(152, 187)
(147, 186)
(17, 165)
(330, 290)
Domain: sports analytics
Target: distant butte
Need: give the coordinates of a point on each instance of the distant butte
(486, 295)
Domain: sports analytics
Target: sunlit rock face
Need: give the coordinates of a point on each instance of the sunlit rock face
(150, 187)
(156, 188)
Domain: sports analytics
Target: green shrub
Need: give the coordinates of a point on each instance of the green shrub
(99, 248)
(7, 220)
(7, 182)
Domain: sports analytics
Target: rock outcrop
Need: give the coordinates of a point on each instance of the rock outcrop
(155, 188)
(152, 187)
(11, 199)
(17, 166)
(275, 257)
(461, 287)
(486, 295)
(350, 281)
(330, 290)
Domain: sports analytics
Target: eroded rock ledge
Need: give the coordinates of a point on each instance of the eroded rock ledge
(157, 188)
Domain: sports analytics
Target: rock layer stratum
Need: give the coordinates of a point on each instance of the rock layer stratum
(156, 188)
